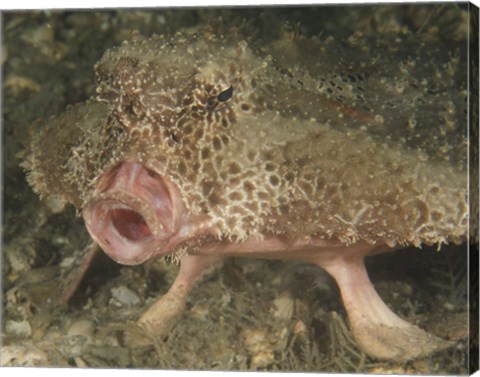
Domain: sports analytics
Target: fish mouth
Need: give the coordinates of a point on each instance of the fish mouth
(135, 214)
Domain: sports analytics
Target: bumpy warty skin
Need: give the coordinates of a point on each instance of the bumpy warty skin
(358, 140)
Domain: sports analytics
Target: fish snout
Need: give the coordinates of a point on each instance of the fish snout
(132, 214)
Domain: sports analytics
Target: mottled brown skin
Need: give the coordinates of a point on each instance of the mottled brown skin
(296, 149)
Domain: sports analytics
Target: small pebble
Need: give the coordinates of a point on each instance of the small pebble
(124, 296)
(18, 262)
(255, 340)
(398, 370)
(83, 327)
(67, 262)
(199, 311)
(448, 306)
(263, 359)
(283, 306)
(300, 328)
(22, 356)
(17, 83)
(258, 346)
(20, 328)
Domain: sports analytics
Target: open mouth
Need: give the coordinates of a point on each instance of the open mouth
(130, 224)
(132, 214)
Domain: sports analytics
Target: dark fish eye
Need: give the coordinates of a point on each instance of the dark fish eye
(225, 95)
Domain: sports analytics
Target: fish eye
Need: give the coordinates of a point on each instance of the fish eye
(225, 95)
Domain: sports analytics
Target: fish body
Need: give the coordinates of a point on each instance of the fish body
(201, 146)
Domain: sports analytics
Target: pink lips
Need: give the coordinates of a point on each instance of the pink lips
(134, 213)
